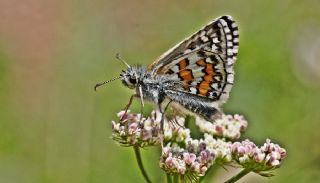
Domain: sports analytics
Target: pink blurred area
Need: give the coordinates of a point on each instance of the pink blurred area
(32, 31)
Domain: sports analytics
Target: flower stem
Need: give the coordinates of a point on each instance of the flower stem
(169, 178)
(139, 160)
(238, 176)
(175, 178)
(182, 179)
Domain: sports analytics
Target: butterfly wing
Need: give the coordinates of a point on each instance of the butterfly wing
(203, 63)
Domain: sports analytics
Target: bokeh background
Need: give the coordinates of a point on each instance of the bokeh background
(54, 128)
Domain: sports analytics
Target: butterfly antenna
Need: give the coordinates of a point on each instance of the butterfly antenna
(118, 56)
(105, 82)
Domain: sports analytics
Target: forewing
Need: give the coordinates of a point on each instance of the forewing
(203, 63)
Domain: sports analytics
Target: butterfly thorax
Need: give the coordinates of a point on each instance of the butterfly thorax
(152, 86)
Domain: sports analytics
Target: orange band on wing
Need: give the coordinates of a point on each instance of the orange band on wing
(203, 92)
(204, 87)
(209, 69)
(208, 78)
(183, 64)
(201, 62)
(186, 75)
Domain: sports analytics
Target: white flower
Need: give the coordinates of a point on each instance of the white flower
(244, 158)
(227, 126)
(219, 147)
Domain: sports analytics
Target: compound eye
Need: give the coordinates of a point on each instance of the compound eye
(133, 80)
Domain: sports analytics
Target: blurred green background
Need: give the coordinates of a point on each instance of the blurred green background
(55, 128)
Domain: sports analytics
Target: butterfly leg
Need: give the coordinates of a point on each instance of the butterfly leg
(162, 115)
(162, 122)
(127, 106)
(142, 102)
(175, 121)
(161, 126)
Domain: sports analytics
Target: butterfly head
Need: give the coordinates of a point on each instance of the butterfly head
(133, 76)
(130, 77)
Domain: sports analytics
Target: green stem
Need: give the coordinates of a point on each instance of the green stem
(175, 178)
(169, 178)
(139, 160)
(182, 179)
(238, 176)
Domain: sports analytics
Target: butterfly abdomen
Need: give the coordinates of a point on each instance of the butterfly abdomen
(194, 104)
(208, 113)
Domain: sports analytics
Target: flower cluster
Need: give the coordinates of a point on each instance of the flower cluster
(227, 126)
(258, 159)
(183, 155)
(197, 157)
(135, 130)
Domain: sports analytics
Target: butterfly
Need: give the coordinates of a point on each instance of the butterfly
(195, 76)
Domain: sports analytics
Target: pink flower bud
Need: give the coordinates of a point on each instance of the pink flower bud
(181, 169)
(189, 158)
(203, 170)
(166, 150)
(146, 135)
(115, 126)
(196, 167)
(132, 128)
(234, 147)
(275, 163)
(242, 150)
(219, 130)
(169, 162)
(282, 152)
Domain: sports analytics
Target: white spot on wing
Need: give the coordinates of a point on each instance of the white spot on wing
(202, 33)
(215, 40)
(193, 90)
(214, 85)
(229, 37)
(204, 38)
(229, 69)
(175, 68)
(187, 51)
(230, 78)
(230, 61)
(214, 47)
(208, 59)
(235, 50)
(227, 88)
(229, 43)
(234, 25)
(223, 22)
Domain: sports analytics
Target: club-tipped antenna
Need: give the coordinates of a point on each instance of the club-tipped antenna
(105, 82)
(118, 56)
